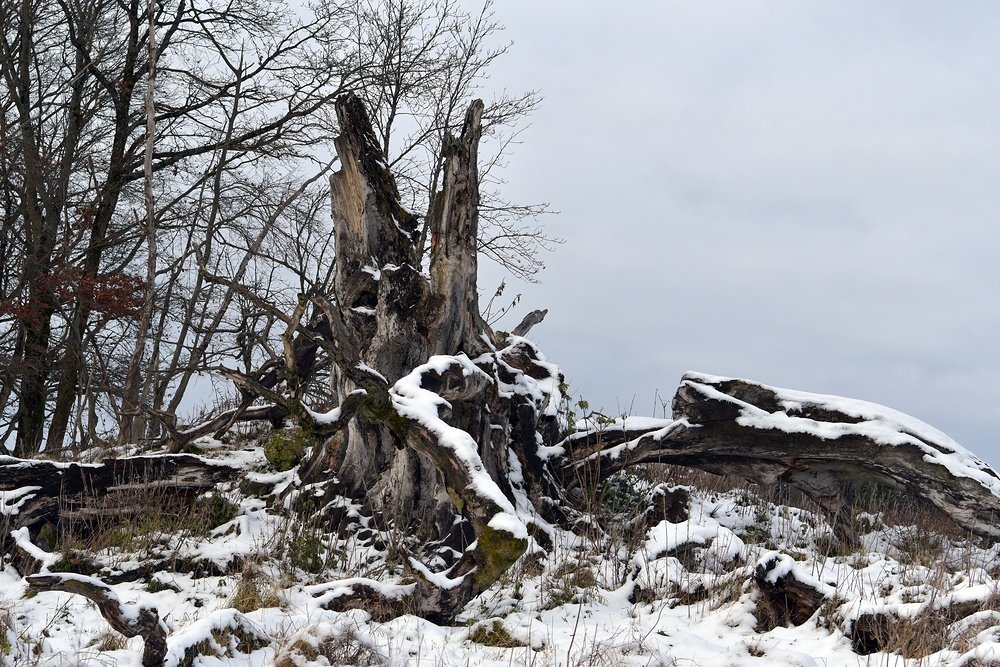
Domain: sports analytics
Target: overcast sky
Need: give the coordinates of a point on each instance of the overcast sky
(801, 193)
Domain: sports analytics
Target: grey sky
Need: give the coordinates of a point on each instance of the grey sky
(801, 193)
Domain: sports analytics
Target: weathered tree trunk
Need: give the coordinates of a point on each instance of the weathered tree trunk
(433, 415)
(453, 309)
(378, 292)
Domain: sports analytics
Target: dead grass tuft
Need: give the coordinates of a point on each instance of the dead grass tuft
(254, 591)
(347, 648)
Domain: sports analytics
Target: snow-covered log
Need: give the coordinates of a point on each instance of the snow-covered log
(36, 492)
(812, 442)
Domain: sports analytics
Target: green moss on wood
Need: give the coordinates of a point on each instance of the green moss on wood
(286, 447)
(216, 510)
(497, 551)
(456, 500)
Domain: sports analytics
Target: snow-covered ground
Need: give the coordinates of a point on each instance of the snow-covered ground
(679, 593)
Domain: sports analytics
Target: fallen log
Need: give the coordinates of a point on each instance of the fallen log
(36, 492)
(812, 442)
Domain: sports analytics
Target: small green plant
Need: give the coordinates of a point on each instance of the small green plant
(155, 586)
(493, 634)
(571, 579)
(216, 510)
(622, 495)
(756, 534)
(8, 633)
(304, 550)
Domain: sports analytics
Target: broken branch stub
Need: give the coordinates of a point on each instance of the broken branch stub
(128, 619)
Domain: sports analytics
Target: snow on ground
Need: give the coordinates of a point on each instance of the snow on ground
(692, 582)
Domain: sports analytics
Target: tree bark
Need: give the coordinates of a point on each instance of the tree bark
(428, 444)
(454, 319)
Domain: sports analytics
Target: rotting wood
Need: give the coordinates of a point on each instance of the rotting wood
(785, 598)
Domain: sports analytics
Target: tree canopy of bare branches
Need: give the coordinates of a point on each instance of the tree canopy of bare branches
(146, 147)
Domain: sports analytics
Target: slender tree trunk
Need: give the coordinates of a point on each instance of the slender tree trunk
(42, 213)
(34, 386)
(106, 203)
(134, 423)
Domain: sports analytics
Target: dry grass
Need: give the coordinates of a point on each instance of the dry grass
(346, 648)
(109, 640)
(255, 590)
(138, 522)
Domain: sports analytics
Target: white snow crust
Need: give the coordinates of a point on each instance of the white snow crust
(698, 609)
(411, 400)
(673, 594)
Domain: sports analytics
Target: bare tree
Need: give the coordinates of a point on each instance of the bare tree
(429, 60)
(70, 75)
(114, 197)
